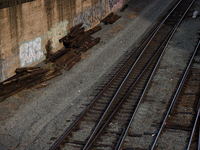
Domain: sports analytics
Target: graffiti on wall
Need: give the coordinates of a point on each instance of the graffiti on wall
(90, 15)
(30, 52)
(57, 32)
(114, 4)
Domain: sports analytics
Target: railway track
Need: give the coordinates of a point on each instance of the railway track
(183, 112)
(194, 142)
(119, 100)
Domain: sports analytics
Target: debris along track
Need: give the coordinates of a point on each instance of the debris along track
(182, 112)
(88, 124)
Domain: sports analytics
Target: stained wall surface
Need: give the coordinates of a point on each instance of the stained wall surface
(27, 25)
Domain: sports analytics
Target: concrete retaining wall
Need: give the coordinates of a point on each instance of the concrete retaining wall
(26, 25)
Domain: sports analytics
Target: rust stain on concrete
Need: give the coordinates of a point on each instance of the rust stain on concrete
(14, 28)
(49, 9)
(59, 4)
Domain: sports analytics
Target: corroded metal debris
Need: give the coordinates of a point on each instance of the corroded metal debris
(25, 78)
(124, 7)
(76, 42)
(110, 19)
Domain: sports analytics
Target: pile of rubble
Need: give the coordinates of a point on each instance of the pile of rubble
(25, 78)
(110, 19)
(76, 42)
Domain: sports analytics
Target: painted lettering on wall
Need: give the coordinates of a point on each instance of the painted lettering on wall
(90, 15)
(57, 32)
(114, 4)
(30, 52)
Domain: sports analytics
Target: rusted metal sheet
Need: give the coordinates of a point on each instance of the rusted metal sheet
(94, 42)
(124, 7)
(58, 54)
(24, 78)
(111, 18)
(77, 59)
(63, 58)
(94, 30)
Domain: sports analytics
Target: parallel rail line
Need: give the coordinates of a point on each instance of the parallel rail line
(180, 114)
(195, 140)
(120, 98)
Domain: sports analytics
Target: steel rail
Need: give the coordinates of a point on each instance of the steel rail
(103, 90)
(178, 90)
(148, 40)
(141, 98)
(198, 107)
(194, 127)
(120, 138)
(199, 140)
(97, 126)
(127, 94)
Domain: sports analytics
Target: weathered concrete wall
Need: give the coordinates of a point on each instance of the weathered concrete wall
(26, 25)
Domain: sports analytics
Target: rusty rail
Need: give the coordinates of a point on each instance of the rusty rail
(138, 52)
(194, 127)
(177, 93)
(118, 91)
(58, 142)
(120, 104)
(92, 139)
